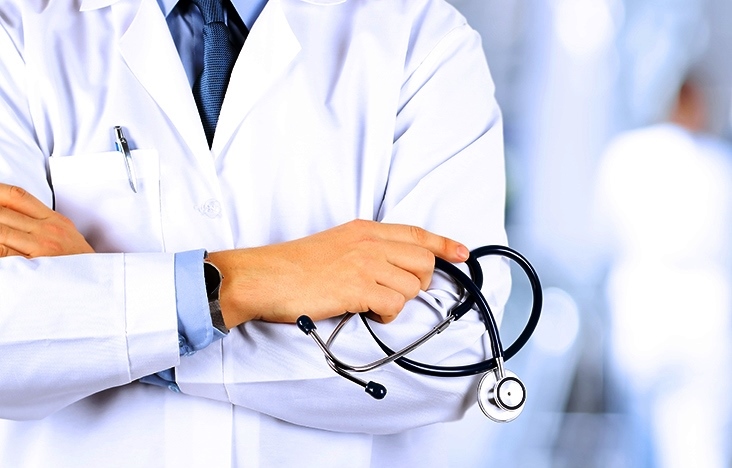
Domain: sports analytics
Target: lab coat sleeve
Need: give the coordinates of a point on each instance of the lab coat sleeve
(75, 325)
(447, 175)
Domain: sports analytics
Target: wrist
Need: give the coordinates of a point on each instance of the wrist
(233, 310)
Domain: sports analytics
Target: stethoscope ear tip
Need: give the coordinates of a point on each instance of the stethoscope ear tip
(376, 390)
(305, 324)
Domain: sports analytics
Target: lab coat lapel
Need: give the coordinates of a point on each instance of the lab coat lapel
(149, 51)
(267, 52)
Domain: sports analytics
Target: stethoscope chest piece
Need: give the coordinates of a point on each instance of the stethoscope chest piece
(502, 400)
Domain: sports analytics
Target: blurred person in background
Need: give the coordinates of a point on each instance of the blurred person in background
(664, 198)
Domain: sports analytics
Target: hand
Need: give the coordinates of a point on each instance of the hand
(356, 267)
(31, 229)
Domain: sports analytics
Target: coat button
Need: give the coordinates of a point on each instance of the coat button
(210, 208)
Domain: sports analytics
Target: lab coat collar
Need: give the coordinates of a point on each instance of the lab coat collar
(273, 46)
(148, 49)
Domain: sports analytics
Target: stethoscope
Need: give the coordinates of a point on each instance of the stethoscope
(501, 394)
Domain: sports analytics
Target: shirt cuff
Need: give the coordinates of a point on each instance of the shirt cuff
(195, 329)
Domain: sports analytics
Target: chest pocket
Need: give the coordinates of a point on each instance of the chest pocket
(93, 190)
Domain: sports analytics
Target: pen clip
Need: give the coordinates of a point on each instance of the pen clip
(123, 147)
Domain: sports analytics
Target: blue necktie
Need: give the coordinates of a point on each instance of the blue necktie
(219, 55)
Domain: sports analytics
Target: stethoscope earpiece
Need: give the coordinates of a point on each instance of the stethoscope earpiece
(502, 400)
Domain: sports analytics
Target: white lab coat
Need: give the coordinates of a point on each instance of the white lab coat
(336, 110)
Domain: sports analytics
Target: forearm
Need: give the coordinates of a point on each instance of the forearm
(75, 325)
(359, 266)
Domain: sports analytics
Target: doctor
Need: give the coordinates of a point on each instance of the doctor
(334, 111)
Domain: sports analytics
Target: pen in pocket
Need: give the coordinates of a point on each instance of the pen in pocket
(123, 147)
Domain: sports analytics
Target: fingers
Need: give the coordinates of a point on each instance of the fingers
(16, 220)
(410, 252)
(30, 228)
(22, 201)
(386, 288)
(417, 261)
(403, 266)
(440, 246)
(15, 242)
(6, 251)
(385, 305)
(15, 224)
(398, 280)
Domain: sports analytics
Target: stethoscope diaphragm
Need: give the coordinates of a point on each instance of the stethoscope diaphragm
(502, 400)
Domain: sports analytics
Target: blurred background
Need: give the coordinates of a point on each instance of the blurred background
(617, 127)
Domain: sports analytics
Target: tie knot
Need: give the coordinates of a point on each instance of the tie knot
(211, 10)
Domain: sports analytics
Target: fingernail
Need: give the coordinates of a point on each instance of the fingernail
(462, 252)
